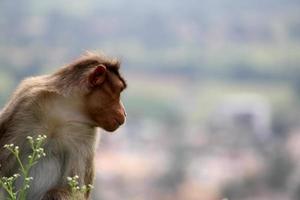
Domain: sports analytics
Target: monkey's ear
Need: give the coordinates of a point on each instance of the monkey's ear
(97, 76)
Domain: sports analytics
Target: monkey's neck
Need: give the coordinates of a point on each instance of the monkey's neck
(67, 110)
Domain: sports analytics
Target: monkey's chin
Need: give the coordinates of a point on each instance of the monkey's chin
(111, 128)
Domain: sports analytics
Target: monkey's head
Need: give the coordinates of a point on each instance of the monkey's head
(97, 80)
(103, 102)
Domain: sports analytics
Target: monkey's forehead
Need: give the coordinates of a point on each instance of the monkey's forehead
(100, 58)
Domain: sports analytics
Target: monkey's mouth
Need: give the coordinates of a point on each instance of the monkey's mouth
(119, 122)
(113, 125)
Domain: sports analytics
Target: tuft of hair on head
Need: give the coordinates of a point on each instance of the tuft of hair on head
(101, 57)
(75, 74)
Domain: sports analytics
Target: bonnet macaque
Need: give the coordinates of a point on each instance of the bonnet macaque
(66, 106)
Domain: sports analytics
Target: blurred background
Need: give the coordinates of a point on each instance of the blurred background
(214, 90)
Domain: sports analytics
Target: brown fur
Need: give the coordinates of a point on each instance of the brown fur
(57, 194)
(67, 108)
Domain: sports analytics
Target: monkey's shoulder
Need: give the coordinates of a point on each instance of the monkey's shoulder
(35, 86)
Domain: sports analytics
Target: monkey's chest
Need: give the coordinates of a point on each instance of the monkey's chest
(53, 170)
(47, 174)
(68, 152)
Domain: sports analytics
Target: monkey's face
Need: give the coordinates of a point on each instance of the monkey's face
(104, 103)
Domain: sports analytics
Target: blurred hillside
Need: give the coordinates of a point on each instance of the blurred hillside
(236, 39)
(213, 98)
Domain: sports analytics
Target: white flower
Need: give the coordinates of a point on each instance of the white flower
(29, 178)
(29, 138)
(16, 175)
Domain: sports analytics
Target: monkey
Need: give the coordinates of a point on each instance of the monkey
(67, 106)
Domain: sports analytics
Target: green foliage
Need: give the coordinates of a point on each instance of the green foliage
(8, 183)
(75, 187)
